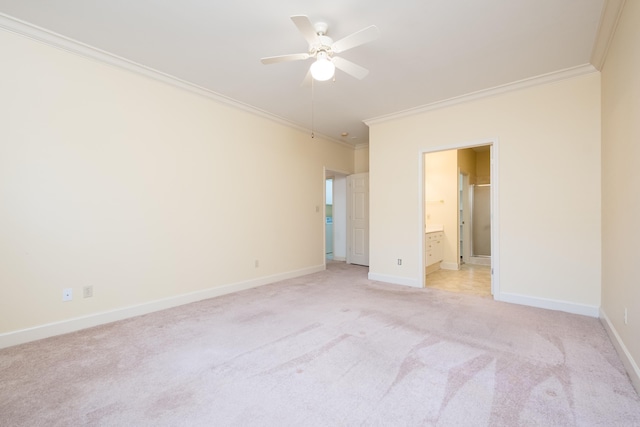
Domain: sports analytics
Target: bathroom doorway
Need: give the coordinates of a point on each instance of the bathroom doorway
(458, 199)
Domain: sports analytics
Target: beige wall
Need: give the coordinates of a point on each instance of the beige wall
(549, 224)
(467, 163)
(621, 182)
(483, 167)
(142, 190)
(361, 159)
(441, 200)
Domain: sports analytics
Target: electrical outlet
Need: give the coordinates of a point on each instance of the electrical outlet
(257, 263)
(399, 261)
(87, 291)
(67, 294)
(625, 315)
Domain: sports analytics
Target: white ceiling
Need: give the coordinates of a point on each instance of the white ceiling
(428, 51)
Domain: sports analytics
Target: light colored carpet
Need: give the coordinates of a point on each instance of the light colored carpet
(330, 349)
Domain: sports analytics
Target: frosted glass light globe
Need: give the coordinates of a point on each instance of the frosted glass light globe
(323, 69)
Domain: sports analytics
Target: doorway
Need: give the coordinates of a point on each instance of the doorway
(328, 223)
(335, 215)
(346, 217)
(449, 177)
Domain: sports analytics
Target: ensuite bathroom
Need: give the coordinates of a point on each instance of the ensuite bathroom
(457, 220)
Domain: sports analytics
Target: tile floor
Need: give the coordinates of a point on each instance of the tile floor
(471, 279)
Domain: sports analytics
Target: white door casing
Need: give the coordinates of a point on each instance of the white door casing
(466, 220)
(493, 144)
(358, 219)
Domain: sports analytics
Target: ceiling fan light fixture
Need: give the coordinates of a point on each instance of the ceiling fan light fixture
(323, 69)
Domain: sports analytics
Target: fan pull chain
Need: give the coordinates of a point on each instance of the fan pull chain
(312, 109)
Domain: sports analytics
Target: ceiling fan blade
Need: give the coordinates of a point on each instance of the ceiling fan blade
(306, 28)
(356, 39)
(284, 58)
(350, 68)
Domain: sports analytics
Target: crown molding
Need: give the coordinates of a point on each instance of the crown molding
(498, 90)
(609, 18)
(42, 35)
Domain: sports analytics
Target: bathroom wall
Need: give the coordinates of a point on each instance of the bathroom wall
(467, 160)
(483, 167)
(441, 200)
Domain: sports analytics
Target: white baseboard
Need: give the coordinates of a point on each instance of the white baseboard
(627, 360)
(549, 304)
(339, 258)
(432, 268)
(396, 280)
(477, 260)
(71, 325)
(449, 265)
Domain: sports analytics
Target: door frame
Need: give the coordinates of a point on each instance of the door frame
(327, 173)
(495, 213)
(465, 253)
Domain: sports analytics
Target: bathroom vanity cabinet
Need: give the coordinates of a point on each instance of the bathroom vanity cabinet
(434, 247)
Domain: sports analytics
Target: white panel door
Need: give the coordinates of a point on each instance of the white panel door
(358, 219)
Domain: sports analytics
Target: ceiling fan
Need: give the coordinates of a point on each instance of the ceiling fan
(323, 49)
